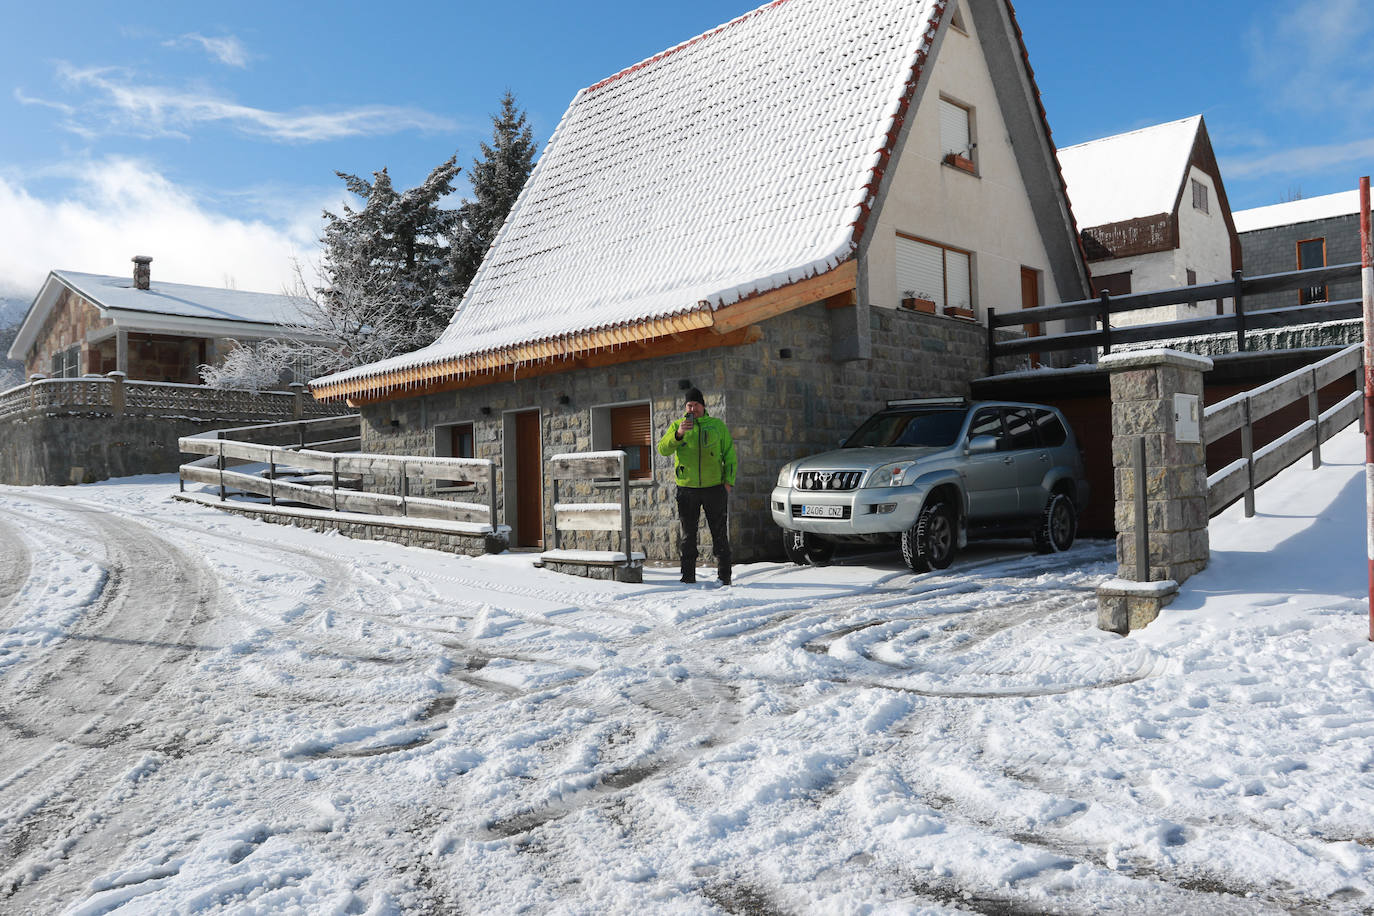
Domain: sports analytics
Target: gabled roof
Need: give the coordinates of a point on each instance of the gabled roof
(176, 305)
(1328, 206)
(1131, 175)
(736, 163)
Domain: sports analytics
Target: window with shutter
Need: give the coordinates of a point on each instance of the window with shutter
(956, 135)
(939, 273)
(631, 431)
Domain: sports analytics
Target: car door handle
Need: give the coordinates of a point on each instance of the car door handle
(1044, 457)
(1008, 460)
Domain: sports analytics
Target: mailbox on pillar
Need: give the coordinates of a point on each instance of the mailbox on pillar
(1187, 418)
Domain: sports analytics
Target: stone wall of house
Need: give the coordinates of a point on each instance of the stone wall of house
(783, 397)
(1275, 250)
(69, 323)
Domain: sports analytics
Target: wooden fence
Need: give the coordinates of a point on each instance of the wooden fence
(593, 516)
(1239, 322)
(343, 490)
(1240, 412)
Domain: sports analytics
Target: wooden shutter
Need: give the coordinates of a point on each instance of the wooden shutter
(631, 431)
(958, 279)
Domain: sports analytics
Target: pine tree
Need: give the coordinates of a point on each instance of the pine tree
(385, 265)
(497, 178)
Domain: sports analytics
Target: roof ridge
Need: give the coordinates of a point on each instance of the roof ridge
(1127, 133)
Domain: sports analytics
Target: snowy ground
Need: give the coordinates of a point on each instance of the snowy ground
(201, 713)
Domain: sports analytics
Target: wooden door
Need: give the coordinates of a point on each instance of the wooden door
(529, 488)
(1030, 298)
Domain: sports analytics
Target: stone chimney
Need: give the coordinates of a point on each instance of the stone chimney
(143, 271)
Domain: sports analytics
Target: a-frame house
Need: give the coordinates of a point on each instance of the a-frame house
(804, 212)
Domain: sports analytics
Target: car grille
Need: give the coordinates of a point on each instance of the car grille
(845, 510)
(829, 480)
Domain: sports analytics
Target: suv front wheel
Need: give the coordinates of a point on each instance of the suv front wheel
(930, 542)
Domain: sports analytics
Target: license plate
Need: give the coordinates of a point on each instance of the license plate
(822, 511)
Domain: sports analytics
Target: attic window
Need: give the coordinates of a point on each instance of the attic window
(956, 19)
(1200, 196)
(956, 135)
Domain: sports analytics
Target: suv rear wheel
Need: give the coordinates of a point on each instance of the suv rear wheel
(1058, 525)
(930, 542)
(806, 549)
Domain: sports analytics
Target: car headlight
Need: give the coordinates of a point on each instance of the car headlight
(892, 475)
(785, 475)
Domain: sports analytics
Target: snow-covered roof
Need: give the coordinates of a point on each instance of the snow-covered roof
(177, 307)
(737, 162)
(182, 299)
(1130, 175)
(1343, 203)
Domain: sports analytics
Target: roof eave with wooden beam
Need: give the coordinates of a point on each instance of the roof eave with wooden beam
(732, 325)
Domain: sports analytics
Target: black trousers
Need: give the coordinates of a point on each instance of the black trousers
(690, 502)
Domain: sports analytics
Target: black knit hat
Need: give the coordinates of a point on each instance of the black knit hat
(693, 394)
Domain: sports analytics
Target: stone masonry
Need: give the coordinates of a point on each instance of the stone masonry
(783, 397)
(1143, 386)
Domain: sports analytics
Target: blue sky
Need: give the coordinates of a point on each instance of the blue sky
(207, 135)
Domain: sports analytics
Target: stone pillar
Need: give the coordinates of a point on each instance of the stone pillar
(117, 392)
(298, 401)
(122, 351)
(1144, 386)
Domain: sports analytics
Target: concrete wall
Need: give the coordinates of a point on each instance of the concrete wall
(988, 213)
(1271, 251)
(778, 408)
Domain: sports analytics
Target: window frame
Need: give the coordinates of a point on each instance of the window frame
(964, 160)
(444, 448)
(1309, 294)
(1200, 193)
(942, 301)
(603, 433)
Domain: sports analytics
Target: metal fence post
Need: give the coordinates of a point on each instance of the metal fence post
(272, 479)
(220, 465)
(1142, 516)
(1247, 451)
(1239, 296)
(625, 506)
(1314, 413)
(405, 490)
(557, 537)
(491, 495)
(1105, 316)
(334, 474)
(992, 342)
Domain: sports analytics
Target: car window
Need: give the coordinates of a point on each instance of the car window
(1020, 428)
(987, 422)
(1052, 431)
(921, 428)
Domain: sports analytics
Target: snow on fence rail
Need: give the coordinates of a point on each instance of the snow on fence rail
(341, 491)
(627, 565)
(114, 394)
(1240, 412)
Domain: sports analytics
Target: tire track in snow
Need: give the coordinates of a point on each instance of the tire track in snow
(15, 565)
(95, 710)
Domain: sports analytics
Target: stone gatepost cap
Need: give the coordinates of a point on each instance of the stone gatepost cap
(117, 375)
(1141, 359)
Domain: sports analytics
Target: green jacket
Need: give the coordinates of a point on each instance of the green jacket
(704, 457)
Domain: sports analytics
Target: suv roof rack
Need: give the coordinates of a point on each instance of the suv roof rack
(928, 402)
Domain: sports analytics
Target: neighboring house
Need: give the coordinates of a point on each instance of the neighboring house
(1153, 214)
(1300, 234)
(745, 213)
(84, 324)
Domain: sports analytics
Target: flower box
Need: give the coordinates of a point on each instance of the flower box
(917, 304)
(955, 311)
(960, 162)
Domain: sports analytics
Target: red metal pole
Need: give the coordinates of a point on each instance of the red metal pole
(1367, 282)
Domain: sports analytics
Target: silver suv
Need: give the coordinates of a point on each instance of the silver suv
(932, 473)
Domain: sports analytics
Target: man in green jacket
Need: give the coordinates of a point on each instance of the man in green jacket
(704, 468)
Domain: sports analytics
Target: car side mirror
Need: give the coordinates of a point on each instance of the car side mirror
(981, 445)
(843, 441)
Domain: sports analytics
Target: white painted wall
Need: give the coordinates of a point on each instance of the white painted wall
(988, 213)
(1204, 246)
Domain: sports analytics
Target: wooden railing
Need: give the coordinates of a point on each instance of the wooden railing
(593, 516)
(344, 490)
(1240, 412)
(1239, 322)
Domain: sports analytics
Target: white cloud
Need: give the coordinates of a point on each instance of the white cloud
(116, 208)
(1316, 56)
(1299, 161)
(120, 105)
(226, 49)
